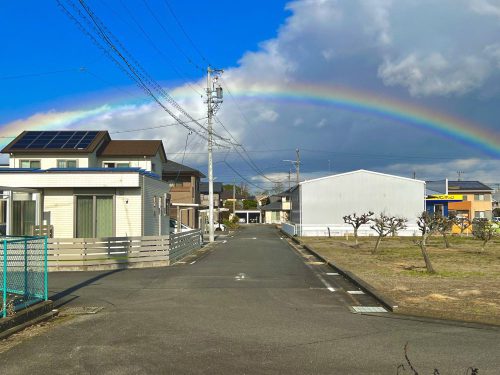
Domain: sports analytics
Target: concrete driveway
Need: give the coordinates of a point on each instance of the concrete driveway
(252, 305)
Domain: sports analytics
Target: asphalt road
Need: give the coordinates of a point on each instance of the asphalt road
(250, 305)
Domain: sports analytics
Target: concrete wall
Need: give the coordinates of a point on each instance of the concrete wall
(327, 200)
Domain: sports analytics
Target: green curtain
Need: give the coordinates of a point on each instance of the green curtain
(84, 216)
(104, 216)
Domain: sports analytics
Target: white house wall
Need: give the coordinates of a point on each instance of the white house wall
(58, 211)
(47, 162)
(128, 212)
(151, 218)
(327, 200)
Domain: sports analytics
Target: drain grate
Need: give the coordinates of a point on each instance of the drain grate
(368, 309)
(81, 310)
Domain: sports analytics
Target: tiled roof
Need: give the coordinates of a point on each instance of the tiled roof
(133, 148)
(172, 168)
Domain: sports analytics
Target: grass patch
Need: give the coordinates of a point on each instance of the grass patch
(465, 286)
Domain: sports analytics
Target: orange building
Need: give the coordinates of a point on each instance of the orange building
(477, 199)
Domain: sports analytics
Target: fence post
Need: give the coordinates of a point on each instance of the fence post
(4, 302)
(25, 267)
(45, 271)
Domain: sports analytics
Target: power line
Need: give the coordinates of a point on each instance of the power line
(171, 10)
(133, 69)
(158, 50)
(188, 58)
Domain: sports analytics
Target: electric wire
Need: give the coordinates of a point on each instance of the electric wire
(132, 69)
(183, 53)
(174, 15)
(158, 50)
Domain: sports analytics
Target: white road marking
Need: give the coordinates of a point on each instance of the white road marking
(355, 292)
(368, 309)
(331, 289)
(332, 274)
(193, 262)
(224, 241)
(240, 276)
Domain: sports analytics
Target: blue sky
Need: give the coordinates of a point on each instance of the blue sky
(435, 56)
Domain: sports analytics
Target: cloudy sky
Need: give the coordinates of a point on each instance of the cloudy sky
(407, 86)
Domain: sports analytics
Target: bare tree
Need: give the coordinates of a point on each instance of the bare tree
(396, 224)
(484, 230)
(428, 224)
(356, 221)
(384, 225)
(462, 223)
(444, 228)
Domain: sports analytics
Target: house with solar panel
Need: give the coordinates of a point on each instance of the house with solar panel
(83, 184)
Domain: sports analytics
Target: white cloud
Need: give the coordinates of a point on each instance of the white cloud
(486, 7)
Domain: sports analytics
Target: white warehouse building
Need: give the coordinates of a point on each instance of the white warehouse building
(319, 205)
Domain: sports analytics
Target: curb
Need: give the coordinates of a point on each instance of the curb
(30, 316)
(363, 285)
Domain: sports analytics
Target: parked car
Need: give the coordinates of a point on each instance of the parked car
(496, 219)
(173, 226)
(241, 220)
(219, 226)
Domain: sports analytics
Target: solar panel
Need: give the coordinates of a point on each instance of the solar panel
(55, 140)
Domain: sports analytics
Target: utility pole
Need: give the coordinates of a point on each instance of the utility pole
(289, 178)
(234, 196)
(212, 105)
(297, 165)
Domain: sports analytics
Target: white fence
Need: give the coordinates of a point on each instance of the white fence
(85, 254)
(339, 230)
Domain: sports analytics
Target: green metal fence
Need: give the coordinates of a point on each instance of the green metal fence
(23, 272)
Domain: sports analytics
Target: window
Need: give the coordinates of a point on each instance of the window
(116, 165)
(94, 216)
(479, 197)
(464, 197)
(153, 167)
(34, 164)
(479, 214)
(66, 164)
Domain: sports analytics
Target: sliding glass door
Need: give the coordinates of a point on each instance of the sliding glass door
(94, 216)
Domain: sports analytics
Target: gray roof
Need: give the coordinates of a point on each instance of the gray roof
(467, 186)
(274, 206)
(204, 187)
(172, 168)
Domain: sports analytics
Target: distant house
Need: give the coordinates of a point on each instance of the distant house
(438, 197)
(228, 198)
(278, 209)
(184, 185)
(318, 206)
(83, 184)
(476, 200)
(204, 200)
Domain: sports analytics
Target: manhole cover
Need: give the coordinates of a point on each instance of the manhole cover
(81, 310)
(368, 309)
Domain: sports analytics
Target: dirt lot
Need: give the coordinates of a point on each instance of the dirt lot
(465, 287)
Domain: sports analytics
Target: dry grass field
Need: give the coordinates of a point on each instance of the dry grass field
(465, 287)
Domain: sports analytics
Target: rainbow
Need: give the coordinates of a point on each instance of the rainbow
(365, 102)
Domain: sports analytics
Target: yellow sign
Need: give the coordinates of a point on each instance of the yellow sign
(446, 197)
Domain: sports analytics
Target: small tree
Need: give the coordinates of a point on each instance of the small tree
(463, 223)
(384, 225)
(396, 224)
(428, 224)
(356, 221)
(444, 228)
(483, 230)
